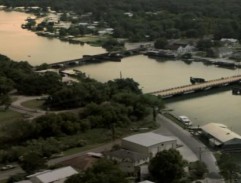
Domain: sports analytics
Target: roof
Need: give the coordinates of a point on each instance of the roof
(184, 118)
(148, 139)
(126, 154)
(24, 181)
(220, 132)
(146, 181)
(54, 175)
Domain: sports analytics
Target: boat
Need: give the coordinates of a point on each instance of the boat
(196, 80)
(236, 91)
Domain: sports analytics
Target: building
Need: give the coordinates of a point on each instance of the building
(53, 176)
(129, 161)
(148, 143)
(146, 181)
(220, 136)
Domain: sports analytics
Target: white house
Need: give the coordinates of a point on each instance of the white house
(148, 143)
(53, 176)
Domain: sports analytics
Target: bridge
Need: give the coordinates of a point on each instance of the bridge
(186, 89)
(109, 56)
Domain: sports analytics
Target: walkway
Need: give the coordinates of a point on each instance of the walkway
(192, 88)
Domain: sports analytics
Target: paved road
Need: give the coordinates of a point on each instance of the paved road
(196, 146)
(6, 174)
(17, 106)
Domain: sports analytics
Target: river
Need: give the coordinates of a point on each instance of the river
(23, 45)
(221, 107)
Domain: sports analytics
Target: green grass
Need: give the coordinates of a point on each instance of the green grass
(33, 104)
(3, 181)
(80, 149)
(9, 116)
(98, 137)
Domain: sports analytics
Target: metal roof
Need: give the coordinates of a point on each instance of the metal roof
(146, 181)
(54, 175)
(148, 139)
(220, 132)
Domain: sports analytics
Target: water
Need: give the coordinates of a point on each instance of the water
(219, 107)
(20, 44)
(152, 75)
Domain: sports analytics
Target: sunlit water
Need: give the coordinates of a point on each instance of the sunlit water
(20, 44)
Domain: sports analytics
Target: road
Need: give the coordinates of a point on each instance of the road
(6, 174)
(166, 124)
(201, 151)
(17, 106)
(101, 148)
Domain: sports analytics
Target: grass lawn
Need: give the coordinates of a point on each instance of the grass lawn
(9, 116)
(33, 104)
(3, 181)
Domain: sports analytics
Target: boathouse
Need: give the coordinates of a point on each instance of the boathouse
(220, 135)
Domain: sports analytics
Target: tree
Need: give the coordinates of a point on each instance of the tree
(228, 167)
(197, 170)
(160, 43)
(6, 101)
(31, 161)
(204, 44)
(167, 166)
(103, 171)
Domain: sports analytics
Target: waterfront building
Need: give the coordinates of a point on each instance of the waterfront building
(220, 135)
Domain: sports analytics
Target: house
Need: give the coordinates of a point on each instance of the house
(129, 14)
(222, 52)
(229, 41)
(220, 136)
(106, 31)
(129, 161)
(146, 181)
(148, 143)
(53, 176)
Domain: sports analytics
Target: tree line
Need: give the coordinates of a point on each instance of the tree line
(154, 18)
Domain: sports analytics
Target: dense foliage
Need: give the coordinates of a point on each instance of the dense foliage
(103, 171)
(20, 76)
(229, 169)
(154, 18)
(167, 166)
(115, 104)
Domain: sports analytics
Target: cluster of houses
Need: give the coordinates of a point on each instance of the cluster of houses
(72, 20)
(133, 158)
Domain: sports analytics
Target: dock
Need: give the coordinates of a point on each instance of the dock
(98, 58)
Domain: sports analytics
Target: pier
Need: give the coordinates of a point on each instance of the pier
(186, 89)
(109, 56)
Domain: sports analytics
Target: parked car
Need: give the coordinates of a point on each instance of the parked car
(8, 167)
(185, 120)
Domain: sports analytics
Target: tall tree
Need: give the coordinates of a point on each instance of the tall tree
(167, 166)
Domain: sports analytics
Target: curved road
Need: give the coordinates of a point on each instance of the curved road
(196, 146)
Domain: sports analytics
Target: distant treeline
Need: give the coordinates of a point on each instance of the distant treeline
(154, 18)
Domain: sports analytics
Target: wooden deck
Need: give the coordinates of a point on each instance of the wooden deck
(196, 87)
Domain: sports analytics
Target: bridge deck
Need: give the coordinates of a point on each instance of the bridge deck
(201, 86)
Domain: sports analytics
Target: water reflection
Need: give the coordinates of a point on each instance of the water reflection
(19, 44)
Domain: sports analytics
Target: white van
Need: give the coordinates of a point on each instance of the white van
(185, 120)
